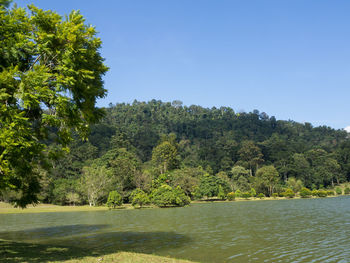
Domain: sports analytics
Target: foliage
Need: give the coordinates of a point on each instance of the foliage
(139, 198)
(319, 193)
(165, 154)
(238, 193)
(246, 195)
(330, 192)
(347, 191)
(240, 178)
(294, 184)
(95, 183)
(252, 192)
(50, 77)
(275, 195)
(266, 179)
(339, 191)
(261, 196)
(305, 192)
(165, 196)
(73, 198)
(221, 193)
(188, 178)
(114, 199)
(231, 196)
(288, 193)
(210, 186)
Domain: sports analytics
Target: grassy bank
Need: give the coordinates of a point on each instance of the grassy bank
(25, 252)
(128, 257)
(6, 208)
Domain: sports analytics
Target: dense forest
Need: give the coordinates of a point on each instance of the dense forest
(202, 152)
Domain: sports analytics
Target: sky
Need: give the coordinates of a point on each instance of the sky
(290, 58)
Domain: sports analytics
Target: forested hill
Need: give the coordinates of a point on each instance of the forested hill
(214, 140)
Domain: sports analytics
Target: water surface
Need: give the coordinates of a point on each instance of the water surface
(311, 230)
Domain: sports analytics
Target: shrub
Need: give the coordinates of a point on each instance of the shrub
(252, 192)
(305, 192)
(231, 196)
(139, 198)
(321, 193)
(246, 195)
(314, 192)
(114, 199)
(347, 191)
(238, 193)
(261, 195)
(338, 191)
(165, 196)
(221, 193)
(275, 195)
(330, 192)
(289, 193)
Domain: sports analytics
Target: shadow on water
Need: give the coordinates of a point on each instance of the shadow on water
(77, 241)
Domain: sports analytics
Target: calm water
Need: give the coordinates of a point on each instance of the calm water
(311, 230)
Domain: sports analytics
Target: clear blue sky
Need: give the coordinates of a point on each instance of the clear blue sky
(289, 58)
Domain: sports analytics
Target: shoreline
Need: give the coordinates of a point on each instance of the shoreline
(6, 208)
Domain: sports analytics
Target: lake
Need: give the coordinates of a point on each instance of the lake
(310, 230)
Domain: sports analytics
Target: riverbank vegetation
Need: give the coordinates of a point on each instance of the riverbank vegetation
(159, 153)
(167, 154)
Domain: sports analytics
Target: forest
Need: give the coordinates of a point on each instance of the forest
(191, 152)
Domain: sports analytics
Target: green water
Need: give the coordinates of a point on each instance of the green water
(311, 230)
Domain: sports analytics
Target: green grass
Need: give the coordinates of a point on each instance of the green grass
(11, 252)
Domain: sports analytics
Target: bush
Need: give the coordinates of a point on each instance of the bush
(221, 193)
(165, 196)
(231, 196)
(330, 192)
(275, 195)
(114, 199)
(305, 192)
(347, 191)
(238, 193)
(261, 195)
(338, 191)
(139, 198)
(321, 193)
(288, 193)
(314, 192)
(246, 195)
(252, 192)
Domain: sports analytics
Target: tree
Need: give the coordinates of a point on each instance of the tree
(240, 178)
(139, 197)
(288, 193)
(73, 198)
(50, 77)
(305, 192)
(266, 179)
(251, 154)
(114, 199)
(95, 182)
(187, 178)
(210, 186)
(165, 196)
(294, 184)
(165, 155)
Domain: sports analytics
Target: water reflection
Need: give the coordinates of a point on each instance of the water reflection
(76, 241)
(313, 230)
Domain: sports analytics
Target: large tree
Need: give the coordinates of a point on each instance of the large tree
(50, 77)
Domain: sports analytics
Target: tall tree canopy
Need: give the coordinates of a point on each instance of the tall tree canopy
(50, 77)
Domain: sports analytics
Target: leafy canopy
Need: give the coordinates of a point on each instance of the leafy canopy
(50, 77)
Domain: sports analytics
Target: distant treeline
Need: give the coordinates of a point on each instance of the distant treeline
(205, 152)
